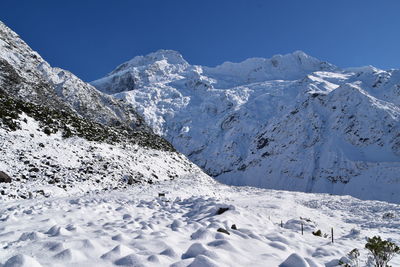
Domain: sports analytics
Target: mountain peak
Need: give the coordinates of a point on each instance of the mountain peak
(170, 57)
(300, 53)
(290, 66)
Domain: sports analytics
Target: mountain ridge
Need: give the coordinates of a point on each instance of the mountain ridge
(218, 117)
(62, 87)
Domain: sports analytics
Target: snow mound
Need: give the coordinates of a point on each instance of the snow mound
(258, 238)
(21, 261)
(294, 260)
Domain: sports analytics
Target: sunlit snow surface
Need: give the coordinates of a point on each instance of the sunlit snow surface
(135, 227)
(42, 164)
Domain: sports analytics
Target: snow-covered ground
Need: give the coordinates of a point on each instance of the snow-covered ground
(41, 164)
(135, 227)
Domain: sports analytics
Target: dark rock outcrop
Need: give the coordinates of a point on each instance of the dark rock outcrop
(5, 178)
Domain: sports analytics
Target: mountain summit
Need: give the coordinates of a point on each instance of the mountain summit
(289, 122)
(167, 65)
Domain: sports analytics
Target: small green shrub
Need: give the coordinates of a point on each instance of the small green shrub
(47, 130)
(352, 259)
(317, 233)
(382, 250)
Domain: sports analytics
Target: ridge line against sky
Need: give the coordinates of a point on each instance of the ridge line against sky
(90, 38)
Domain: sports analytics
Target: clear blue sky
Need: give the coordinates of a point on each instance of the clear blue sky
(91, 37)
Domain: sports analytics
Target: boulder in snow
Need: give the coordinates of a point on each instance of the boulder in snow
(4, 178)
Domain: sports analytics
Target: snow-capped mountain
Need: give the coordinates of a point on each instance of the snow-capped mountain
(290, 122)
(69, 156)
(61, 136)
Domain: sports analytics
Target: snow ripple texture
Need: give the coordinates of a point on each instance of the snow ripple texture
(187, 228)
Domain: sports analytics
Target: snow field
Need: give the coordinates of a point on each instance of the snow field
(135, 227)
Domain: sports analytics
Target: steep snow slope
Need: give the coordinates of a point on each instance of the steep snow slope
(289, 122)
(137, 228)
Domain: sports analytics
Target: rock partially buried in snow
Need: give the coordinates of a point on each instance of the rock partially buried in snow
(21, 261)
(222, 230)
(222, 210)
(294, 260)
(4, 178)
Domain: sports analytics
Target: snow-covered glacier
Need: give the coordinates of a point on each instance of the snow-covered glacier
(290, 122)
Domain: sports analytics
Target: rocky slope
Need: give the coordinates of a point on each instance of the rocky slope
(60, 136)
(289, 122)
(26, 75)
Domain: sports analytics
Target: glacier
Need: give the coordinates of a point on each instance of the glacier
(290, 122)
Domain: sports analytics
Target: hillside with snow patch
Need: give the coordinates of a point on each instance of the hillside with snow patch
(59, 136)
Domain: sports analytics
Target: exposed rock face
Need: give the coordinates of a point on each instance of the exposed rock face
(4, 178)
(289, 122)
